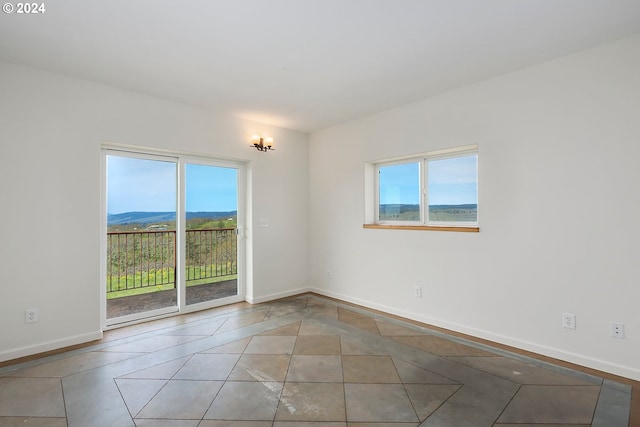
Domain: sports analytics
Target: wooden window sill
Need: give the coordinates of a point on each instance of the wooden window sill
(422, 227)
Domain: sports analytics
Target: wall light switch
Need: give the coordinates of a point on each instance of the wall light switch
(263, 222)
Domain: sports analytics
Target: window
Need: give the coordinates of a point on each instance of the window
(399, 192)
(436, 190)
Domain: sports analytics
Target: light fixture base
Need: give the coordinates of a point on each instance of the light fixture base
(260, 145)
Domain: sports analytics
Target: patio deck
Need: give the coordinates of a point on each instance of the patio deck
(118, 307)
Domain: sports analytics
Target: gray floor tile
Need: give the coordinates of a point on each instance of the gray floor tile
(167, 423)
(318, 345)
(151, 344)
(412, 374)
(613, 408)
(441, 346)
(32, 422)
(92, 399)
(427, 398)
(163, 371)
(369, 369)
(138, 392)
(309, 424)
(388, 328)
(182, 400)
(360, 321)
(208, 367)
(320, 308)
(353, 347)
(378, 403)
(283, 311)
(271, 345)
(552, 404)
(474, 406)
(312, 402)
(343, 367)
(314, 327)
(261, 367)
(242, 320)
(234, 423)
(520, 372)
(205, 329)
(31, 397)
(246, 401)
(382, 424)
(542, 425)
(315, 369)
(74, 364)
(235, 347)
(288, 330)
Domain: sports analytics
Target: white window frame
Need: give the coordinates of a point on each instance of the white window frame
(421, 198)
(372, 190)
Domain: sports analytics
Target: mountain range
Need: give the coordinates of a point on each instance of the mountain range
(154, 217)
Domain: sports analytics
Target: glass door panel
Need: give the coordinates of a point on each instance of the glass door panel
(141, 237)
(210, 243)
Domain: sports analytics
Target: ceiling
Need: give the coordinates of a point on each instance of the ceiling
(305, 64)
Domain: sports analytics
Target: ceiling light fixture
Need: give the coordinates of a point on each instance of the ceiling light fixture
(262, 144)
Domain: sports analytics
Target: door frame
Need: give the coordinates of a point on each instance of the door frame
(181, 159)
(240, 227)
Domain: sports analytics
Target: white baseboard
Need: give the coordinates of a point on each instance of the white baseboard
(257, 300)
(49, 345)
(578, 359)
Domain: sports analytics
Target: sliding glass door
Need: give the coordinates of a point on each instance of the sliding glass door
(171, 235)
(211, 245)
(141, 236)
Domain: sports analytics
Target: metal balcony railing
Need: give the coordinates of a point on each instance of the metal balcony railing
(144, 259)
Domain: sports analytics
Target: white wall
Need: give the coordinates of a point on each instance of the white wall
(51, 128)
(559, 151)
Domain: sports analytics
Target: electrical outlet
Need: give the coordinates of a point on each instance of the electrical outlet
(417, 291)
(568, 320)
(617, 330)
(31, 315)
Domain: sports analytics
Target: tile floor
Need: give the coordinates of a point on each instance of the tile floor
(300, 362)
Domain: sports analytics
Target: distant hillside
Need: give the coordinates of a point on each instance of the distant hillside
(399, 208)
(409, 208)
(451, 207)
(464, 213)
(155, 217)
(401, 212)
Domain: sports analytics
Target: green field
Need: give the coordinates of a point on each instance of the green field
(149, 288)
(437, 213)
(141, 261)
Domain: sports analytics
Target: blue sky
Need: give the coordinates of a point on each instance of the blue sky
(150, 186)
(400, 184)
(211, 189)
(450, 182)
(453, 181)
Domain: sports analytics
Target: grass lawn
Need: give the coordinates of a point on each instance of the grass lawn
(146, 289)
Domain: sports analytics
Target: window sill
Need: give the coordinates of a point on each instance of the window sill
(422, 227)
